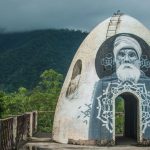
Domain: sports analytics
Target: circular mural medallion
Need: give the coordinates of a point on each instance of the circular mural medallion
(105, 61)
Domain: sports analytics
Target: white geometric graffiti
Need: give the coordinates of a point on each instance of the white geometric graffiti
(145, 63)
(105, 113)
(108, 62)
(105, 102)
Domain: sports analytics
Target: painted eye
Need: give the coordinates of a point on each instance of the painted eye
(132, 55)
(121, 54)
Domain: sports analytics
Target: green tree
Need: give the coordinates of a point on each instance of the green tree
(16, 102)
(119, 117)
(44, 97)
(1, 103)
(119, 104)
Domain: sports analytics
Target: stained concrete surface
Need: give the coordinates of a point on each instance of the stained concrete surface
(57, 146)
(122, 140)
(122, 143)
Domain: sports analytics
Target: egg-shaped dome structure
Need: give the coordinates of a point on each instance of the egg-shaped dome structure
(113, 61)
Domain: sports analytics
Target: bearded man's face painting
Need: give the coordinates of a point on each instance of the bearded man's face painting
(127, 53)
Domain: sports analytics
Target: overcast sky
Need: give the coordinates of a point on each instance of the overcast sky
(20, 15)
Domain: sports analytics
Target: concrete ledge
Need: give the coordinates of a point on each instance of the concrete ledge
(92, 142)
(145, 142)
(36, 139)
(54, 146)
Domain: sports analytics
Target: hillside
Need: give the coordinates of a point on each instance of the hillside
(24, 56)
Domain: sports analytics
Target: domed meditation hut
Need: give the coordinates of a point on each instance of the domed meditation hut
(113, 62)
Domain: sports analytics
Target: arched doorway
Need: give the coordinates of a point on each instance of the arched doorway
(128, 118)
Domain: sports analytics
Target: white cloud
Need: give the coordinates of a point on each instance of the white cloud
(80, 14)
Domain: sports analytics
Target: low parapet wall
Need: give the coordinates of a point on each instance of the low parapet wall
(17, 129)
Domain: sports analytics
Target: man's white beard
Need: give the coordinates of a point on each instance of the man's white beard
(128, 72)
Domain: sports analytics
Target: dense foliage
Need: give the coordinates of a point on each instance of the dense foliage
(24, 56)
(42, 98)
(27, 83)
(119, 117)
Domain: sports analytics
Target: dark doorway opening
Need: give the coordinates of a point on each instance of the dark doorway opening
(126, 117)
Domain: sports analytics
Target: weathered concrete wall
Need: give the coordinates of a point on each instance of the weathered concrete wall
(80, 108)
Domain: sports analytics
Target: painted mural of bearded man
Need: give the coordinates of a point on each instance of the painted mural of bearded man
(127, 57)
(127, 54)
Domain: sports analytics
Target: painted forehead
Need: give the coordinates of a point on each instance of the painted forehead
(125, 39)
(125, 42)
(127, 50)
